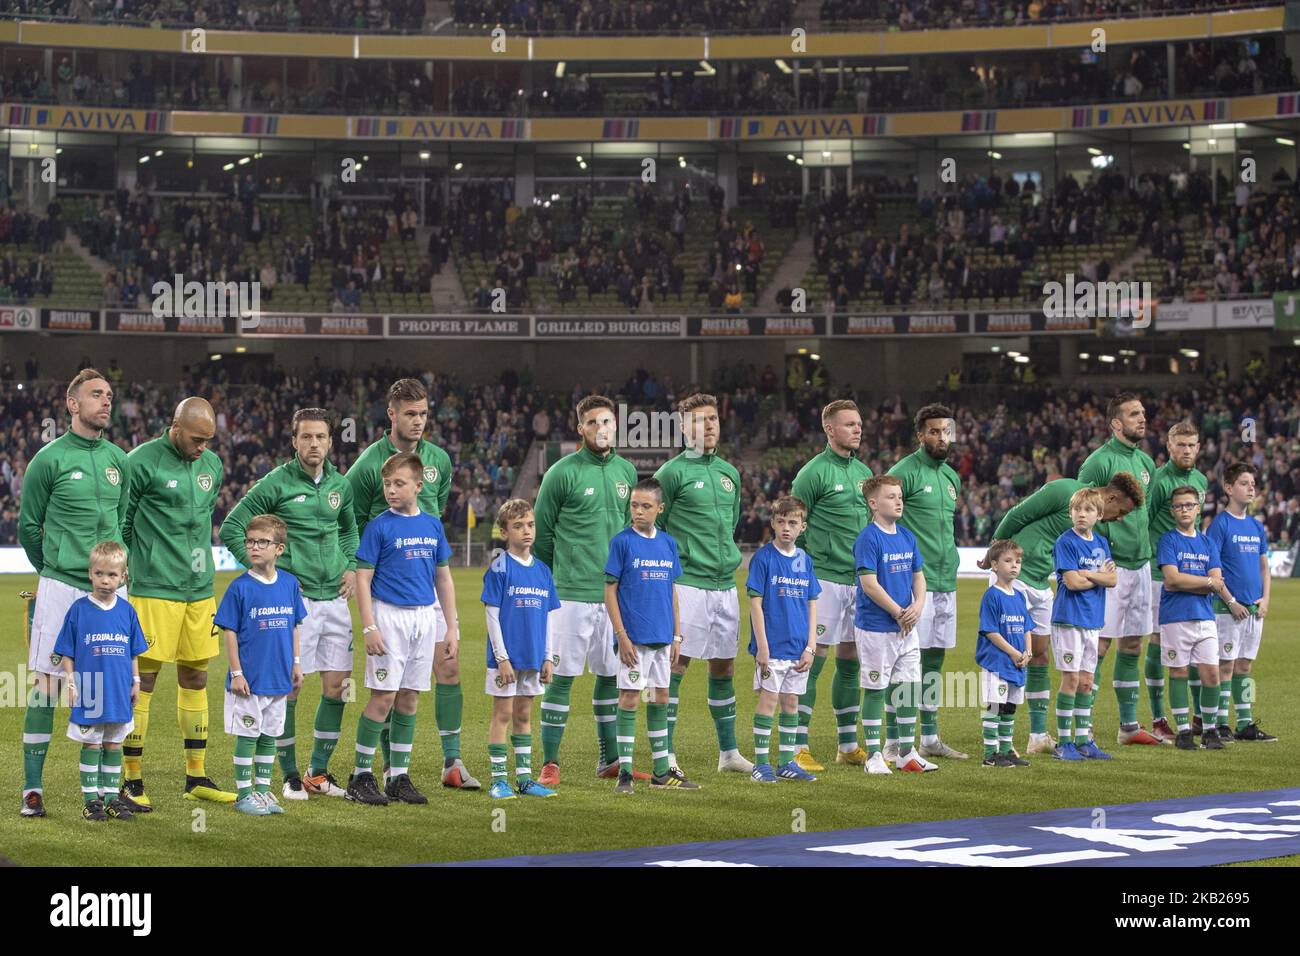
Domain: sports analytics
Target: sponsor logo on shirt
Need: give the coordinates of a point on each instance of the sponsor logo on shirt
(300, 499)
(75, 476)
(589, 491)
(171, 483)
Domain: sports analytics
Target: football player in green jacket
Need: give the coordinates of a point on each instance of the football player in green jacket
(73, 497)
(172, 492)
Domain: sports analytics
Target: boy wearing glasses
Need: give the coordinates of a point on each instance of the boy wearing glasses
(315, 502)
(260, 613)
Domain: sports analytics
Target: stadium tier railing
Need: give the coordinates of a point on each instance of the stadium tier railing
(452, 27)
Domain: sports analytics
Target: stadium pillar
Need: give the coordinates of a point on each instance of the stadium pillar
(727, 176)
(1068, 351)
(1235, 354)
(525, 177)
(126, 166)
(237, 83)
(1171, 69)
(927, 171)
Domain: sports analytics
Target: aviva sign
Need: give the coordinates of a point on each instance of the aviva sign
(87, 119)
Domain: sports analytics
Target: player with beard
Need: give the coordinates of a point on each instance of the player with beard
(1128, 604)
(74, 496)
(930, 487)
(583, 502)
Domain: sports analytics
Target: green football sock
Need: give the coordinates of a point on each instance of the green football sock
(286, 747)
(1194, 692)
(263, 763)
(555, 715)
(1096, 683)
(807, 700)
(448, 705)
(325, 734)
(762, 738)
(523, 746)
(38, 727)
(1006, 732)
(110, 772)
(1038, 695)
(604, 704)
(1225, 704)
(891, 715)
(788, 724)
(245, 747)
(1082, 722)
(1127, 688)
(401, 738)
(368, 732)
(1210, 705)
(626, 738)
(906, 717)
(1065, 715)
(656, 719)
(1243, 696)
(722, 705)
(89, 774)
(497, 760)
(844, 701)
(989, 725)
(872, 703)
(1178, 704)
(1154, 674)
(674, 688)
(931, 677)
(384, 737)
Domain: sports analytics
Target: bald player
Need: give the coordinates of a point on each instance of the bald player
(171, 493)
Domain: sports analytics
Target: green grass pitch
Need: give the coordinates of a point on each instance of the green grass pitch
(586, 815)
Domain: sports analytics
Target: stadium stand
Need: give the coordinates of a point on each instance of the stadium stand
(1048, 78)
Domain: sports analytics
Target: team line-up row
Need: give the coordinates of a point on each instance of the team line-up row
(643, 581)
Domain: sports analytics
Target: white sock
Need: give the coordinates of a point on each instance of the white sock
(929, 740)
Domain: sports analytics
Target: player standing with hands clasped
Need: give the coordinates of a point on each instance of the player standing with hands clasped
(74, 495)
(783, 590)
(890, 601)
(260, 612)
(641, 597)
(701, 496)
(1001, 654)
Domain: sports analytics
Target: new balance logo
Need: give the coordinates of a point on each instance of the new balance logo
(171, 483)
(589, 491)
